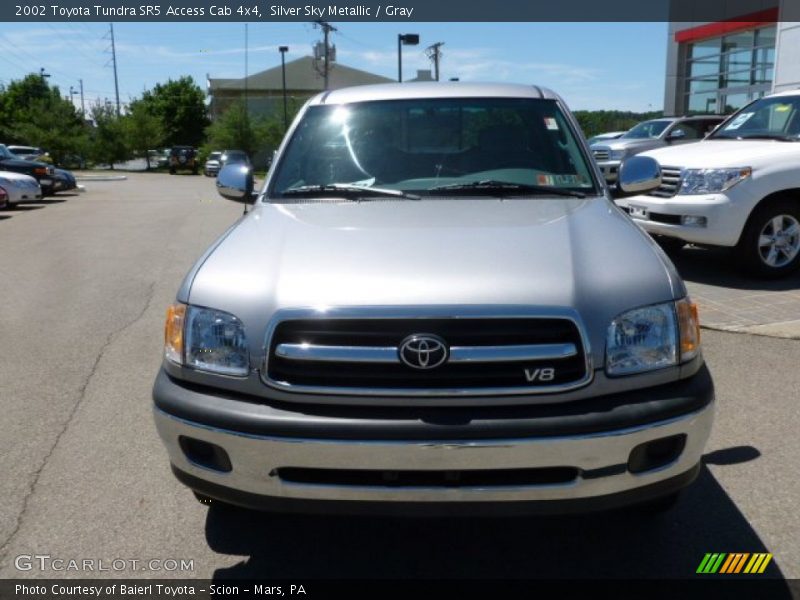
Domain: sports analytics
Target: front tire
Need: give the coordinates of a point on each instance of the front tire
(669, 245)
(770, 245)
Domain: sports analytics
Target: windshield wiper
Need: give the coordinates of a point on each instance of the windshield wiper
(346, 190)
(505, 188)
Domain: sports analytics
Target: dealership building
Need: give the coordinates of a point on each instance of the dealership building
(718, 67)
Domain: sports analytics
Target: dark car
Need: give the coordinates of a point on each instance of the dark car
(42, 172)
(63, 180)
(183, 158)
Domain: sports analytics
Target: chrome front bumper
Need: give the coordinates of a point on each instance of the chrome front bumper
(601, 459)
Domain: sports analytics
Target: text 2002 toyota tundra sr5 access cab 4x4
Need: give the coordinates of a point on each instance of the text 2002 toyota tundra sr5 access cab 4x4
(738, 188)
(434, 306)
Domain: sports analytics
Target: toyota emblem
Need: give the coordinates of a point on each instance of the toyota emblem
(423, 351)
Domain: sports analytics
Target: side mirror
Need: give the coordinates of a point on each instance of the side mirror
(639, 174)
(676, 134)
(235, 182)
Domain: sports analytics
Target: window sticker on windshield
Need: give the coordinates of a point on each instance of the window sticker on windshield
(782, 107)
(568, 179)
(550, 123)
(544, 180)
(740, 120)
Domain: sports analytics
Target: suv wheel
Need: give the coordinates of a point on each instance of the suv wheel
(770, 244)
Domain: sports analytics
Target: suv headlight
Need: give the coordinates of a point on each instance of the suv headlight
(206, 339)
(652, 337)
(617, 154)
(709, 181)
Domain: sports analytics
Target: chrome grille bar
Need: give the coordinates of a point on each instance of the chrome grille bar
(458, 354)
(670, 182)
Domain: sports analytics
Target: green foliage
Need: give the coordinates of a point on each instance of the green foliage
(180, 106)
(108, 143)
(235, 129)
(594, 122)
(143, 130)
(33, 113)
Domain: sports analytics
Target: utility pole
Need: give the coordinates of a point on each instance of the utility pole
(435, 54)
(327, 28)
(114, 64)
(283, 50)
(246, 70)
(83, 107)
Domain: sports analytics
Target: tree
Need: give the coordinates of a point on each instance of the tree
(594, 122)
(236, 129)
(33, 113)
(108, 140)
(143, 130)
(181, 108)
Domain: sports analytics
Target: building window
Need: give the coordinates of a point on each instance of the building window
(725, 73)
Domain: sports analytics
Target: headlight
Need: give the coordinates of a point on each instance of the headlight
(206, 339)
(709, 181)
(617, 154)
(652, 337)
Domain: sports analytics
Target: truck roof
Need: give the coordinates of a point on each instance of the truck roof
(434, 89)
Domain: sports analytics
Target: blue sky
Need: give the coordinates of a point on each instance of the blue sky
(593, 65)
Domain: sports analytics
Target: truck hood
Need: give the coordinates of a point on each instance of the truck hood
(725, 153)
(579, 254)
(633, 146)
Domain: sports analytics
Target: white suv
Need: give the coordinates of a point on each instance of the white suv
(740, 188)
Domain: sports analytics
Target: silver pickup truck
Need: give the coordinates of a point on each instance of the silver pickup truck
(433, 307)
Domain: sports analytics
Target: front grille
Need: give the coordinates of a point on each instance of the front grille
(670, 182)
(361, 356)
(600, 154)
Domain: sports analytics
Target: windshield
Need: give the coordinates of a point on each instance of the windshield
(647, 130)
(417, 145)
(214, 155)
(22, 150)
(769, 118)
(4, 153)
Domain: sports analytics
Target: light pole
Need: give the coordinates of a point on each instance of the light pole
(404, 39)
(283, 50)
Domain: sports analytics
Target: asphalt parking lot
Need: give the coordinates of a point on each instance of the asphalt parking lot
(86, 280)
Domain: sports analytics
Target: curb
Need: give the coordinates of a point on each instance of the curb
(100, 177)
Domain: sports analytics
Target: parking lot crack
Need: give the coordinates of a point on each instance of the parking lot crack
(82, 390)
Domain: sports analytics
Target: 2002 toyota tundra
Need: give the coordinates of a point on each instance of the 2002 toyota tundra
(434, 306)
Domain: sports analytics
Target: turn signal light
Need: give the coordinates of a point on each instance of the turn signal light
(689, 326)
(173, 333)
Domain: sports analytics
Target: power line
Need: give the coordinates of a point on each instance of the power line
(327, 53)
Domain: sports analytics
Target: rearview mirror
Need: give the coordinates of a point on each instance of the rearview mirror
(235, 182)
(639, 174)
(676, 134)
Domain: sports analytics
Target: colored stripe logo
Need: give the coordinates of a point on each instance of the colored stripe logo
(734, 562)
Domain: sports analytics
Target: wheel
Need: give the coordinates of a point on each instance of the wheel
(172, 171)
(194, 171)
(770, 244)
(670, 245)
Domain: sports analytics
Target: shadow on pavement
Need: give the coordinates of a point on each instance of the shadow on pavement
(613, 544)
(718, 267)
(25, 207)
